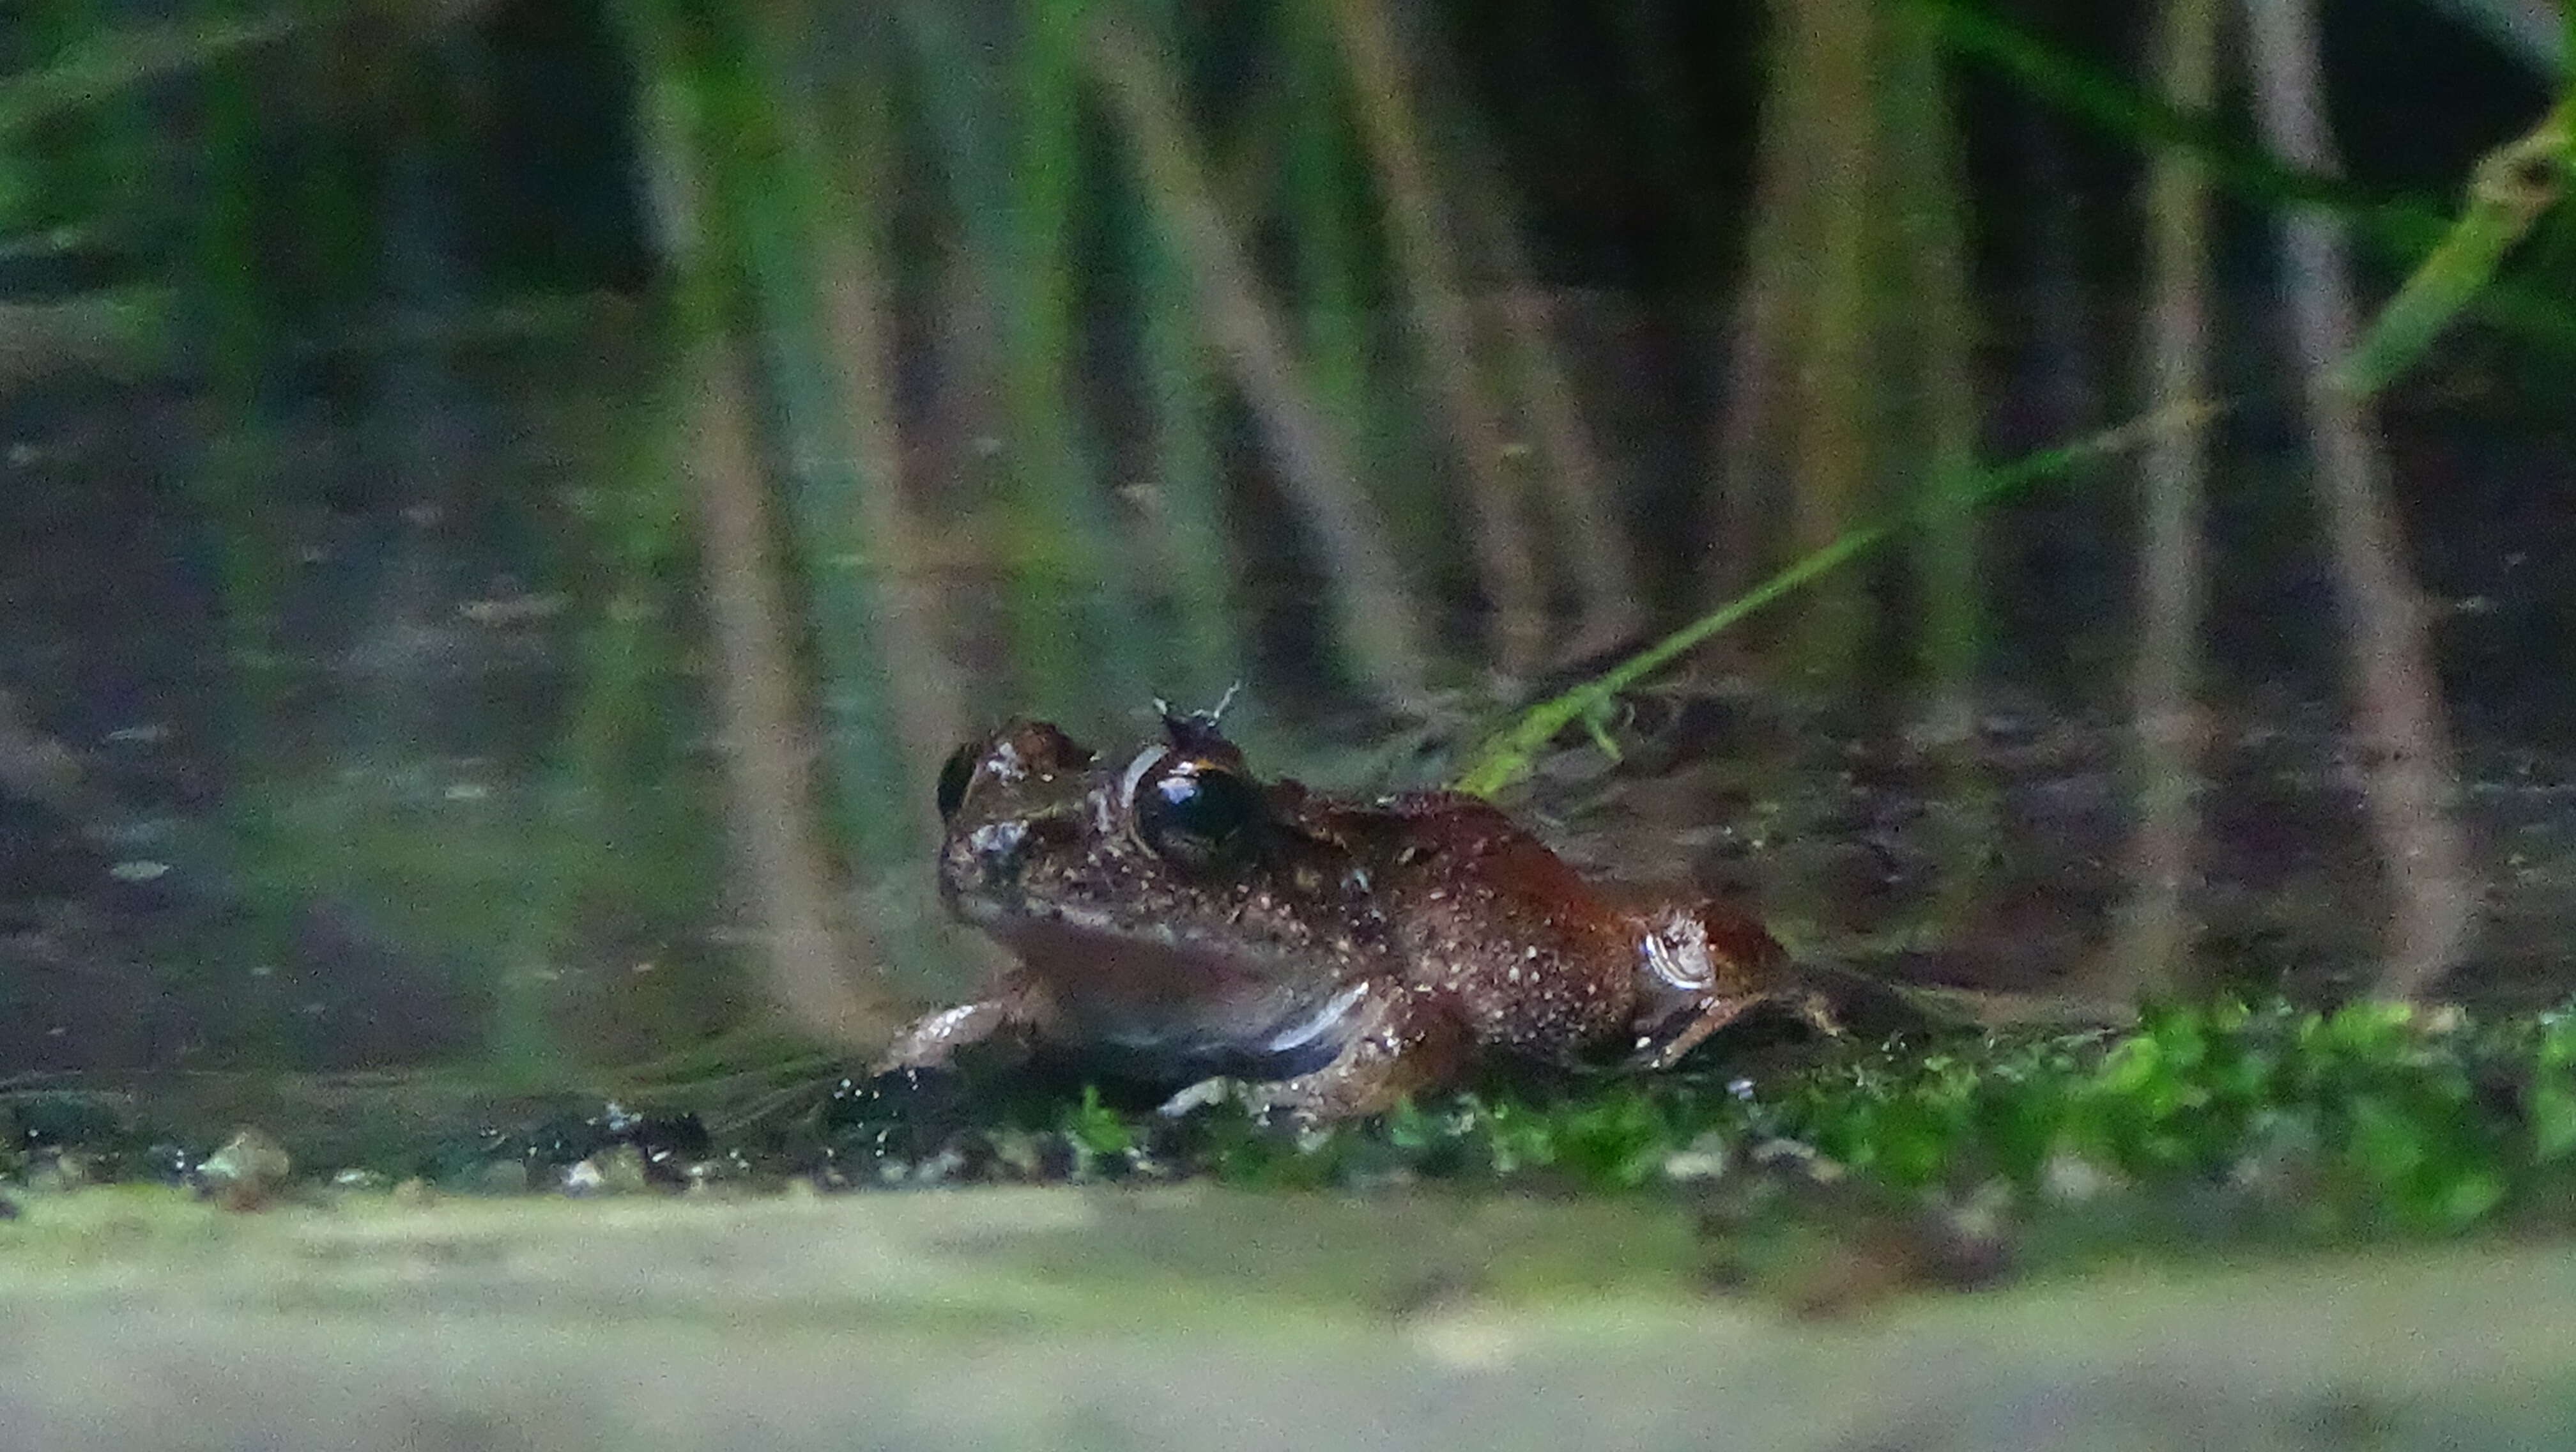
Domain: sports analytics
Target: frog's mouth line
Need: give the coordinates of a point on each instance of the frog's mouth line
(1072, 943)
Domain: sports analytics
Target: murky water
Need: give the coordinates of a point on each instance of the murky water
(371, 728)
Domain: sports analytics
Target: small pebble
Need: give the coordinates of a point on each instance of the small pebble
(1704, 1158)
(246, 1172)
(64, 1170)
(617, 1170)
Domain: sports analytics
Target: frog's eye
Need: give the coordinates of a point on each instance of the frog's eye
(954, 775)
(1197, 814)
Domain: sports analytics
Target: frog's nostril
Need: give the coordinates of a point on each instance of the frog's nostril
(999, 846)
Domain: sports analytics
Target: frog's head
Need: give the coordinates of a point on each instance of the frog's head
(1170, 874)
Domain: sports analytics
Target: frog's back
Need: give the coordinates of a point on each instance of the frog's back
(1536, 959)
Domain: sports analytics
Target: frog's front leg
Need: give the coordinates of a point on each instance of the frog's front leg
(1014, 1010)
(1404, 1040)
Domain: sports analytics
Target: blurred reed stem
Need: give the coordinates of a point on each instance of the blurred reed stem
(1185, 480)
(1079, 624)
(808, 964)
(1764, 340)
(1600, 562)
(1334, 276)
(845, 153)
(1007, 128)
(2154, 936)
(1434, 288)
(225, 323)
(1378, 618)
(1828, 48)
(770, 209)
(1934, 377)
(2410, 785)
(1939, 327)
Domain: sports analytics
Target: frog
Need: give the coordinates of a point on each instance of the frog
(1171, 917)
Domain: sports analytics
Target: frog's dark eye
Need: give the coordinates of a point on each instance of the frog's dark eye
(954, 775)
(1197, 814)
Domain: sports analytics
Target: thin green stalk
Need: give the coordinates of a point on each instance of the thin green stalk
(115, 61)
(2511, 189)
(225, 326)
(2406, 229)
(1074, 552)
(1509, 754)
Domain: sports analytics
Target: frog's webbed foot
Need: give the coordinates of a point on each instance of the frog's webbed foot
(1008, 1014)
(1404, 1041)
(1662, 1044)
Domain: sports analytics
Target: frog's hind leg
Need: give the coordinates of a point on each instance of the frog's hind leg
(1665, 1044)
(1405, 1040)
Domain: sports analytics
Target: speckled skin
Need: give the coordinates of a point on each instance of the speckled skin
(1343, 954)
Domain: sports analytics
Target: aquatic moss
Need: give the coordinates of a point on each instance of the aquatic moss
(2219, 1120)
(2368, 1115)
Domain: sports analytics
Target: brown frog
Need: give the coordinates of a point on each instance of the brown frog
(1176, 917)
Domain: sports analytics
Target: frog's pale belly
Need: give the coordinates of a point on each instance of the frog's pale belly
(1166, 1009)
(1177, 914)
